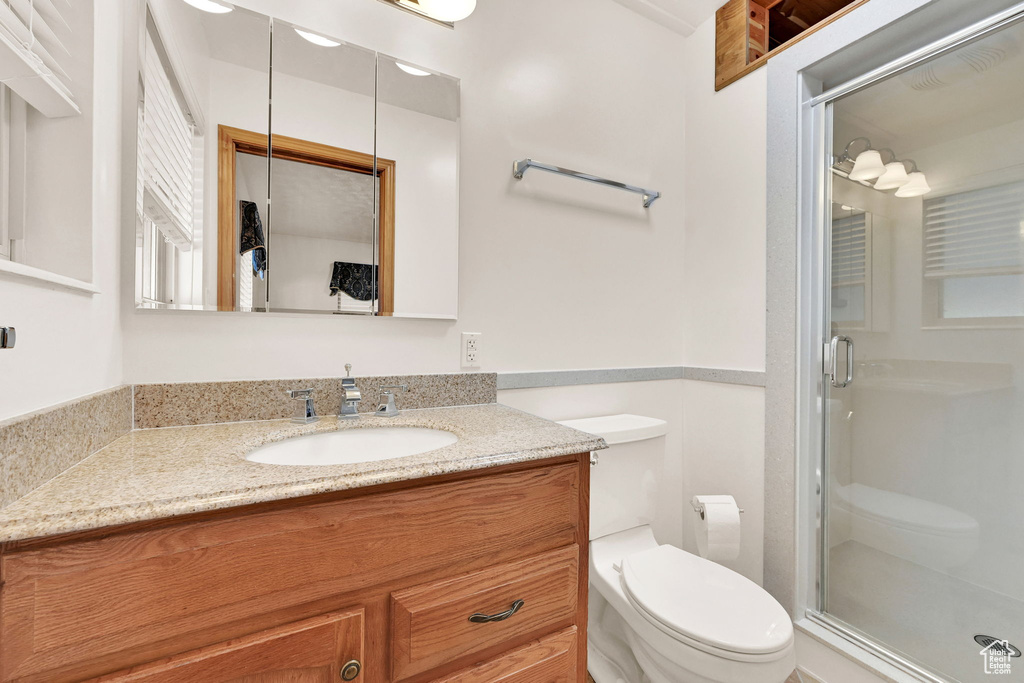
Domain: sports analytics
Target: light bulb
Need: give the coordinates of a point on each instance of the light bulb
(211, 6)
(317, 39)
(867, 166)
(895, 176)
(411, 70)
(915, 187)
(447, 10)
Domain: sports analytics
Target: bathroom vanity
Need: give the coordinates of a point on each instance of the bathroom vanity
(478, 573)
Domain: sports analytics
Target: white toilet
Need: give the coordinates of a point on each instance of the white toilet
(658, 614)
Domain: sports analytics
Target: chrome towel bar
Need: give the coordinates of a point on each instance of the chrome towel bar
(520, 167)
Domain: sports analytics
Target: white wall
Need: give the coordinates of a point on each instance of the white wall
(554, 273)
(303, 267)
(69, 344)
(662, 399)
(723, 306)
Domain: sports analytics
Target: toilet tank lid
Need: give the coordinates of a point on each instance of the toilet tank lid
(620, 428)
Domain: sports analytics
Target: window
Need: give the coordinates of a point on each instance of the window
(46, 58)
(851, 267)
(974, 257)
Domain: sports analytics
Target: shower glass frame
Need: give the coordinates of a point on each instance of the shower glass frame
(814, 324)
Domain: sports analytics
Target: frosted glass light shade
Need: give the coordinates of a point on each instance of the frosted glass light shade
(211, 6)
(895, 176)
(915, 187)
(447, 10)
(867, 166)
(317, 39)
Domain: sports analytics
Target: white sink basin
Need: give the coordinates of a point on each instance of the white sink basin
(350, 446)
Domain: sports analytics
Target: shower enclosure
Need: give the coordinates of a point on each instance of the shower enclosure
(921, 549)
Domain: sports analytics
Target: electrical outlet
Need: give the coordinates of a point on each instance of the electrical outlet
(471, 348)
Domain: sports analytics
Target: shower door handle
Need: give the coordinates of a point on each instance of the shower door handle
(833, 360)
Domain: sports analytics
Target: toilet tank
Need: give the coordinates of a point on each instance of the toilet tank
(624, 484)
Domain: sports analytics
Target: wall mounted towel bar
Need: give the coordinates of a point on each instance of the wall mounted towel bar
(520, 167)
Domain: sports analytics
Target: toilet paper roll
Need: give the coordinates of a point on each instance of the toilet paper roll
(718, 529)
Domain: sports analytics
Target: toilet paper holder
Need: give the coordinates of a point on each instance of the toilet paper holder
(699, 509)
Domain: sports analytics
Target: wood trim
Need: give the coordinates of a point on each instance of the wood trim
(235, 140)
(730, 43)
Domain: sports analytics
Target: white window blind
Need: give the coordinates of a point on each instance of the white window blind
(851, 255)
(167, 154)
(975, 233)
(31, 51)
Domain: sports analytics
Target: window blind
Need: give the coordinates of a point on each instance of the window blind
(31, 51)
(975, 233)
(850, 255)
(167, 164)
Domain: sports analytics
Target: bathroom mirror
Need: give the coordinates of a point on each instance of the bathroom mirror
(341, 198)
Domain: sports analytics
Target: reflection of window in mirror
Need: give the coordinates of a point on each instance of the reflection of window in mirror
(974, 258)
(170, 142)
(851, 267)
(320, 243)
(46, 139)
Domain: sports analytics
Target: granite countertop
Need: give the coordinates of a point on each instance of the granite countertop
(156, 473)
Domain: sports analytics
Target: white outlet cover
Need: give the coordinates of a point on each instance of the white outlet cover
(470, 350)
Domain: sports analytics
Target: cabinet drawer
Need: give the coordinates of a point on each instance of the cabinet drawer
(310, 651)
(431, 623)
(548, 660)
(86, 608)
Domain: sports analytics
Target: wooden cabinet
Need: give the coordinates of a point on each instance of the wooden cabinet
(318, 650)
(549, 660)
(287, 587)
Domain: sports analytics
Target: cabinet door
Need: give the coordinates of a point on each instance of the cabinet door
(548, 660)
(310, 651)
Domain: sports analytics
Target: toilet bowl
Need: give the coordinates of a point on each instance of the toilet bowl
(685, 619)
(658, 614)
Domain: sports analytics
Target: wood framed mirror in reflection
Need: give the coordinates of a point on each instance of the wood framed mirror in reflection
(299, 207)
(324, 218)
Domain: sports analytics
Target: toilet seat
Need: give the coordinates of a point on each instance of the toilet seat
(723, 611)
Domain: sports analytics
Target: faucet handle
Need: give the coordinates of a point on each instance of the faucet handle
(348, 369)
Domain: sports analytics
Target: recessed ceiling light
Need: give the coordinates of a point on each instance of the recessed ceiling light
(211, 6)
(317, 39)
(411, 70)
(447, 10)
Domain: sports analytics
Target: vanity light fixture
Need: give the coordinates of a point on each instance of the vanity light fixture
(316, 38)
(868, 165)
(447, 10)
(895, 176)
(211, 6)
(411, 70)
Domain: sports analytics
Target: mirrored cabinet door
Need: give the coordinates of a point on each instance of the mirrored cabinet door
(202, 191)
(418, 135)
(324, 232)
(283, 170)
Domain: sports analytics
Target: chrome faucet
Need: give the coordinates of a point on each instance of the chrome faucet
(350, 396)
(305, 411)
(387, 407)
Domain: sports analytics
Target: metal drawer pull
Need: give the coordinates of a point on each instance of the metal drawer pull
(501, 616)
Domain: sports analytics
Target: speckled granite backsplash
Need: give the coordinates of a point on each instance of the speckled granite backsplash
(194, 403)
(35, 448)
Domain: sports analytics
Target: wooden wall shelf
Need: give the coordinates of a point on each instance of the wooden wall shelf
(750, 32)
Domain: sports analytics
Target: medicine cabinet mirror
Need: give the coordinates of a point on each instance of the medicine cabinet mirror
(282, 170)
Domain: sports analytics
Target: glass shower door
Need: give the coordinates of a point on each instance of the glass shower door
(923, 544)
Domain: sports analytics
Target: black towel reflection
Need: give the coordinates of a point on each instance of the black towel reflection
(251, 237)
(358, 280)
